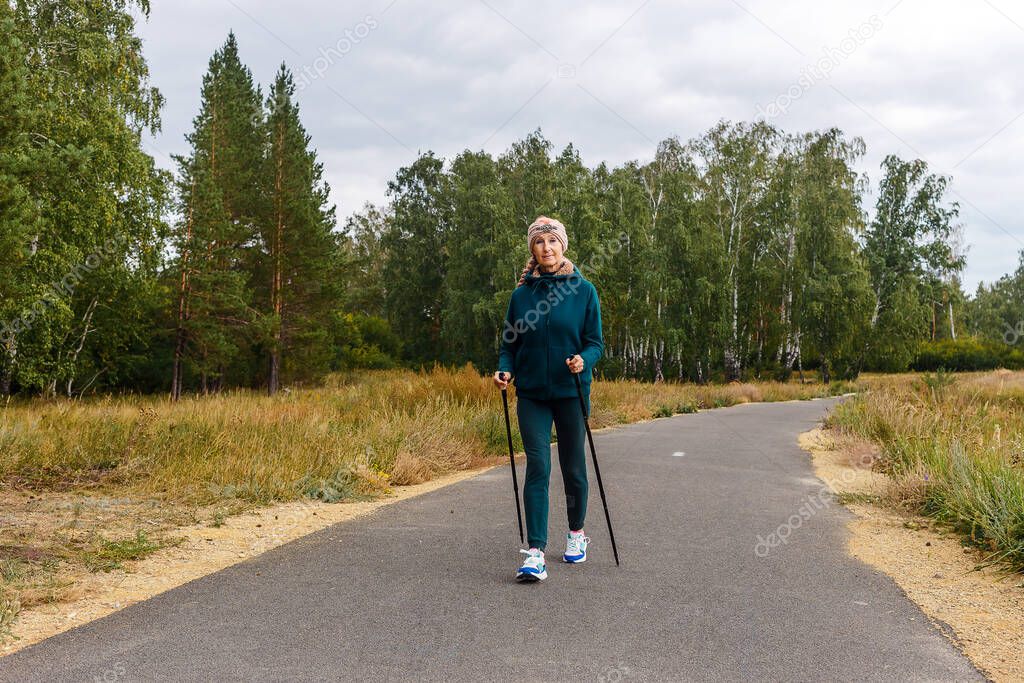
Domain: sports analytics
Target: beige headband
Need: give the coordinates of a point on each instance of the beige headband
(544, 224)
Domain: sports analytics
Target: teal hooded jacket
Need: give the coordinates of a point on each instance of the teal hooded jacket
(551, 317)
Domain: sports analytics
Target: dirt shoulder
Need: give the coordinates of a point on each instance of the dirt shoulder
(981, 609)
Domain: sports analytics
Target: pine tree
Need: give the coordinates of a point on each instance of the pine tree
(218, 237)
(301, 255)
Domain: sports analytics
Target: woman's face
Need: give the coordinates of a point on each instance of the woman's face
(548, 251)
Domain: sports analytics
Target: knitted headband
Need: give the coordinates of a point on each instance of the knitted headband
(544, 224)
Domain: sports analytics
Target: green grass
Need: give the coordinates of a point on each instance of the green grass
(847, 497)
(10, 607)
(110, 554)
(25, 583)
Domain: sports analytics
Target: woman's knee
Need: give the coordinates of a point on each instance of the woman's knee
(538, 467)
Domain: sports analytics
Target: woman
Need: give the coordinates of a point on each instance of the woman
(552, 330)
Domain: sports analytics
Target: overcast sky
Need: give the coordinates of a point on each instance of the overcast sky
(380, 81)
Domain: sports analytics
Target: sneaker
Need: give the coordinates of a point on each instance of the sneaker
(533, 568)
(575, 548)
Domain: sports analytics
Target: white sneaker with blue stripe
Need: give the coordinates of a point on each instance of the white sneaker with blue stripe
(533, 568)
(575, 547)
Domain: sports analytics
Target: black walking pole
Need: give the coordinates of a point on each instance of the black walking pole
(512, 460)
(597, 470)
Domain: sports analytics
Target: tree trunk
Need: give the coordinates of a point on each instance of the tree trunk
(659, 362)
(179, 335)
(275, 294)
(730, 356)
(176, 367)
(8, 355)
(86, 320)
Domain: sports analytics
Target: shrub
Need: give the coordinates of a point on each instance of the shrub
(967, 354)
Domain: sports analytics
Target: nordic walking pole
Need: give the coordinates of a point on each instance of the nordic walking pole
(597, 470)
(512, 460)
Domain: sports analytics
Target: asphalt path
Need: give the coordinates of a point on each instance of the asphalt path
(733, 567)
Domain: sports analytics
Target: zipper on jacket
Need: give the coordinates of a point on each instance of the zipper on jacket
(547, 347)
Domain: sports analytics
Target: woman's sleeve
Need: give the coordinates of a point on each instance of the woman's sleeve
(593, 341)
(509, 342)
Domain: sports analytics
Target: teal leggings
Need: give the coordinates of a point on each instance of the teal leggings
(535, 418)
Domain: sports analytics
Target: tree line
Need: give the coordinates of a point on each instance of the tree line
(746, 250)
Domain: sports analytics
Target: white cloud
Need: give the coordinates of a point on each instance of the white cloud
(937, 78)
